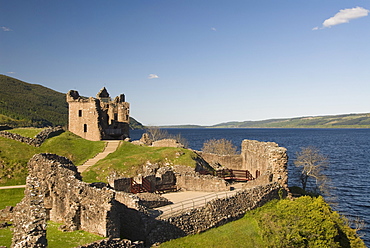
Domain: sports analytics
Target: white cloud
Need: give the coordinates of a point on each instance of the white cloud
(152, 76)
(6, 29)
(344, 16)
(213, 29)
(11, 72)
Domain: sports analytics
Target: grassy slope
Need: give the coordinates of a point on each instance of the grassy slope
(14, 155)
(10, 197)
(129, 158)
(304, 222)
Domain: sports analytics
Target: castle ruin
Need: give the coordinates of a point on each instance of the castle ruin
(98, 118)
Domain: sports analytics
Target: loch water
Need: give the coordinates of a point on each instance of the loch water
(348, 151)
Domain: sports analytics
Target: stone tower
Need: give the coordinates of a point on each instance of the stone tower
(98, 118)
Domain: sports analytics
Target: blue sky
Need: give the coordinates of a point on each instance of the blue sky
(196, 61)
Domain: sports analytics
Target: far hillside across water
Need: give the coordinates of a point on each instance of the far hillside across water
(329, 121)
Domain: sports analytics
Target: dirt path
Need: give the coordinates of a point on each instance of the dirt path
(111, 146)
(13, 187)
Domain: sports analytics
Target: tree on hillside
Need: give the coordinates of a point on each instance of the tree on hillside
(220, 147)
(312, 163)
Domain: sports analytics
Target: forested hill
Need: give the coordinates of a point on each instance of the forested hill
(25, 104)
(330, 121)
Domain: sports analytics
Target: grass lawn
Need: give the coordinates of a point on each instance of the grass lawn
(56, 238)
(30, 132)
(59, 239)
(10, 197)
(14, 155)
(128, 160)
(6, 235)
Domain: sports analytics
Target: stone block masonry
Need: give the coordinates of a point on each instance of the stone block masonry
(266, 161)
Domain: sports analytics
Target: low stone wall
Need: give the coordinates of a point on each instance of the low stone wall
(38, 140)
(213, 214)
(167, 143)
(114, 243)
(193, 181)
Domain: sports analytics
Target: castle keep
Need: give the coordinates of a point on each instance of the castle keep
(98, 118)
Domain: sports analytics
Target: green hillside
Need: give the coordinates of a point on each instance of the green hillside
(24, 104)
(31, 105)
(330, 121)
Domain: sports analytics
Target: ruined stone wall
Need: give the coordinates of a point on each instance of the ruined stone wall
(266, 159)
(84, 117)
(228, 161)
(64, 198)
(213, 214)
(39, 138)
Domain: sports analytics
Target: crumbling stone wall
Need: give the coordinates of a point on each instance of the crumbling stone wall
(267, 160)
(29, 217)
(39, 138)
(62, 197)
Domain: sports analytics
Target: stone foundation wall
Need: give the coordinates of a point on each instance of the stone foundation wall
(38, 140)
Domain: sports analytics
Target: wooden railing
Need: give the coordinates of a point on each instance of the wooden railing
(238, 175)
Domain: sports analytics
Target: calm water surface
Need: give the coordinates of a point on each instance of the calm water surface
(347, 149)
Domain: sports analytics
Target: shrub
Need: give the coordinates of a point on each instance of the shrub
(220, 147)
